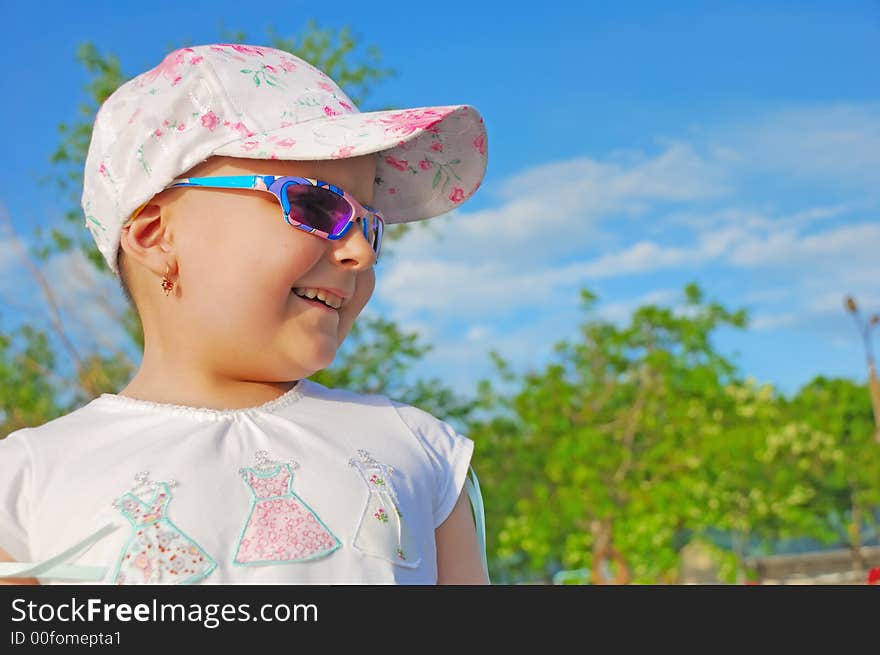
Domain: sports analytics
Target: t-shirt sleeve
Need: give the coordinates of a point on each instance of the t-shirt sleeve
(16, 475)
(448, 452)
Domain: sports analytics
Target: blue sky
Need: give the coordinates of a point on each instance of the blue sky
(632, 148)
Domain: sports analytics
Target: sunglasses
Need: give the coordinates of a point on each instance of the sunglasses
(311, 205)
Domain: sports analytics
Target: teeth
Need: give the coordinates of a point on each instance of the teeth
(328, 299)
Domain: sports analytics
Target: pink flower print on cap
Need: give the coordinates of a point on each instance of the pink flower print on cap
(406, 122)
(239, 127)
(343, 152)
(399, 164)
(210, 120)
(243, 49)
(480, 144)
(169, 68)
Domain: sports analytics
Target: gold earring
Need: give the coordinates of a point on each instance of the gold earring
(167, 284)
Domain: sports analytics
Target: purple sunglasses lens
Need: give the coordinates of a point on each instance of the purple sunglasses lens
(318, 208)
(323, 210)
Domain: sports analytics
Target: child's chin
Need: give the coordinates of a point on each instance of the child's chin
(317, 350)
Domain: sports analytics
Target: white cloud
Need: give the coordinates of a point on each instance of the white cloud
(629, 182)
(766, 295)
(641, 257)
(478, 332)
(524, 345)
(831, 248)
(527, 343)
(13, 271)
(489, 263)
(837, 144)
(821, 300)
(474, 291)
(766, 322)
(754, 219)
(89, 303)
(842, 256)
(9, 258)
(556, 210)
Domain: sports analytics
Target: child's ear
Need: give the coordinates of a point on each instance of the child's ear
(147, 239)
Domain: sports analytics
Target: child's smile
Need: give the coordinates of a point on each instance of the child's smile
(318, 303)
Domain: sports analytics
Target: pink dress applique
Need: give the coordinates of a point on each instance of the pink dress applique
(280, 527)
(158, 552)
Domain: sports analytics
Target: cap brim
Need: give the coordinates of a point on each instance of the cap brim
(433, 158)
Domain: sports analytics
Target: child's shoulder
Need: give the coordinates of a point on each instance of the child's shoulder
(28, 449)
(437, 437)
(49, 433)
(415, 418)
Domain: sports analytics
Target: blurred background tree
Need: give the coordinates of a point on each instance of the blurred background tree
(643, 438)
(866, 325)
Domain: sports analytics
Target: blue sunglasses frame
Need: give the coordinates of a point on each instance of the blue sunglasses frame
(277, 185)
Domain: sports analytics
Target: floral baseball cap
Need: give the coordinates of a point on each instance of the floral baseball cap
(262, 103)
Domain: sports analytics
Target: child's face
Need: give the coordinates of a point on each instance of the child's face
(237, 261)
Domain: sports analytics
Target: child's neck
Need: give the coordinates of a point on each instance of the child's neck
(237, 394)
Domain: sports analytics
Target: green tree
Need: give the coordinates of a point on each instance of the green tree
(850, 489)
(791, 468)
(594, 458)
(643, 438)
(762, 478)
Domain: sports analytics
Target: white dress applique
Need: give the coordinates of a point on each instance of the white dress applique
(382, 530)
(157, 552)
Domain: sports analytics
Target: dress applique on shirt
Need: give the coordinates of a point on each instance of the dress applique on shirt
(57, 481)
(280, 526)
(382, 530)
(157, 552)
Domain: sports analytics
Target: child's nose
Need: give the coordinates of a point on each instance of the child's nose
(355, 244)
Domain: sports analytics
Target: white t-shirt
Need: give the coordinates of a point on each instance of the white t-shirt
(371, 480)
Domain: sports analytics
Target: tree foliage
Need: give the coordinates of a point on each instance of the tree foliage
(643, 438)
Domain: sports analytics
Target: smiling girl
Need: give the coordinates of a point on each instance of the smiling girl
(240, 197)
